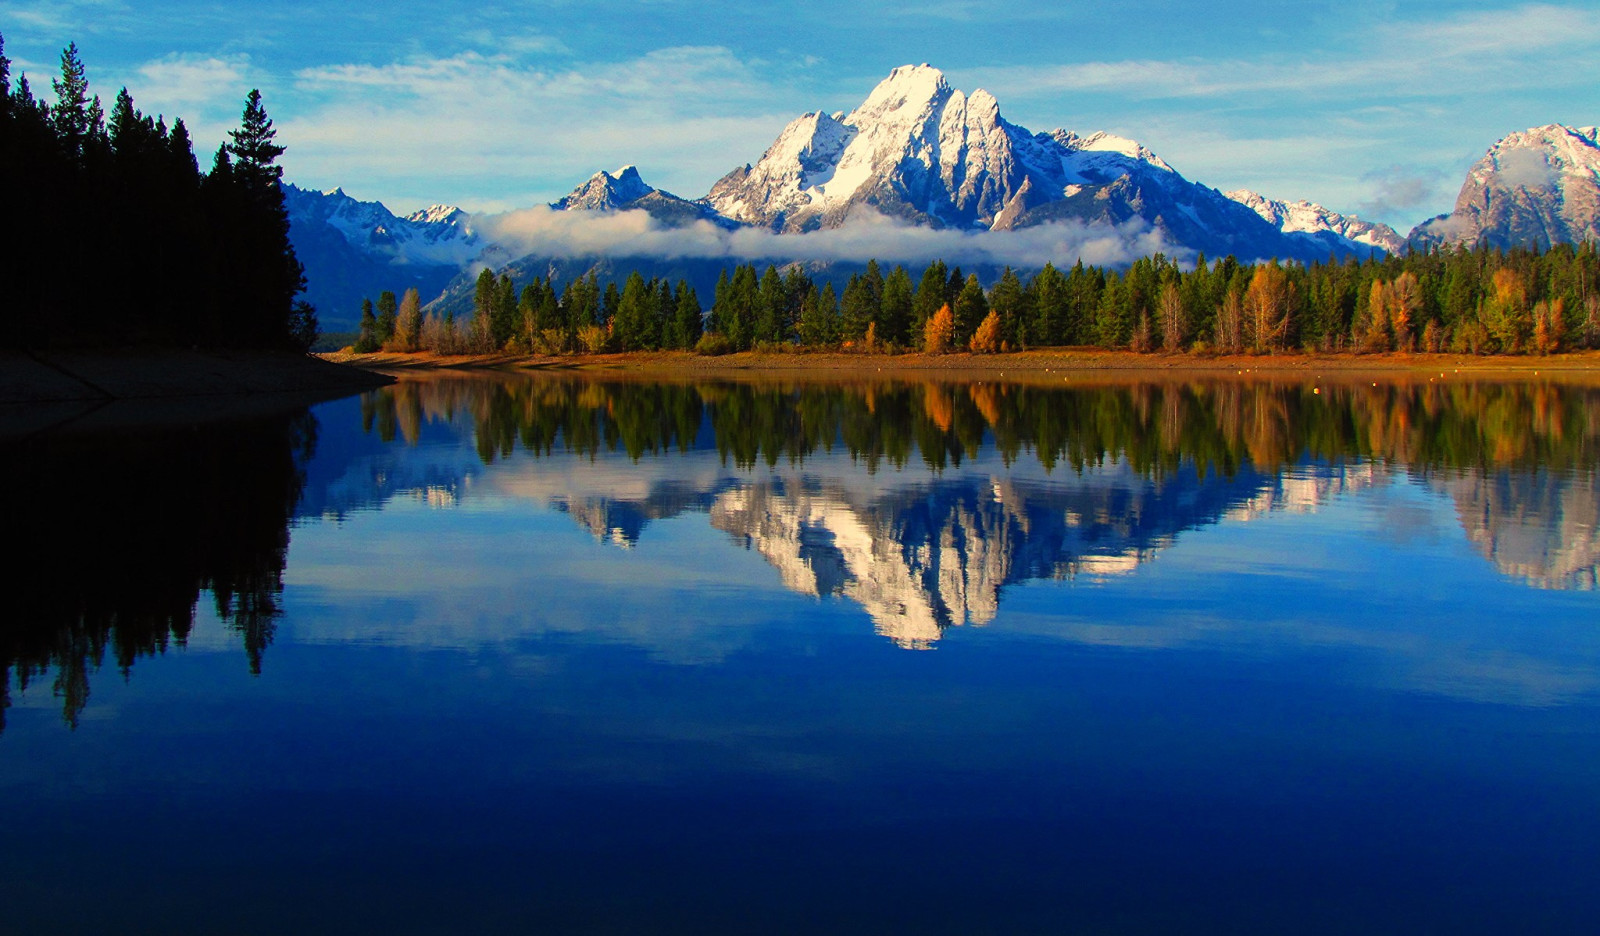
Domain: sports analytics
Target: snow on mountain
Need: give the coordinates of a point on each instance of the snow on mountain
(920, 150)
(438, 234)
(627, 191)
(1534, 188)
(916, 150)
(606, 192)
(1341, 232)
(354, 249)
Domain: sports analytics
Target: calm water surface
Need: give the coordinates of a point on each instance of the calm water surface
(525, 654)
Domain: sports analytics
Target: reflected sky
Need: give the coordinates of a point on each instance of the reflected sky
(768, 665)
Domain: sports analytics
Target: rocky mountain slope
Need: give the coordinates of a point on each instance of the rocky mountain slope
(920, 150)
(627, 191)
(354, 249)
(1534, 188)
(1338, 231)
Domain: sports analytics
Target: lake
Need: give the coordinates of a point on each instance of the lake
(537, 653)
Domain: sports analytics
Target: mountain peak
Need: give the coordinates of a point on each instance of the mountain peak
(606, 192)
(1538, 186)
(910, 90)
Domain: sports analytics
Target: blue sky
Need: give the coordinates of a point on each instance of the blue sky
(1369, 107)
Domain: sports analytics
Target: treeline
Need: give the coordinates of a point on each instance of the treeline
(121, 239)
(644, 315)
(1474, 301)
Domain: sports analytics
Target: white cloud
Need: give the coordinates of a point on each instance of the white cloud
(1460, 54)
(1401, 189)
(1525, 169)
(547, 232)
(481, 122)
(179, 82)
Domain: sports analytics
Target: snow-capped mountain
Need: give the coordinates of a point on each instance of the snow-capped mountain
(354, 249)
(916, 149)
(627, 191)
(1338, 231)
(1535, 188)
(920, 150)
(606, 192)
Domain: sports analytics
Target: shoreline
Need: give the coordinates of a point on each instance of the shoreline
(1022, 366)
(149, 373)
(91, 390)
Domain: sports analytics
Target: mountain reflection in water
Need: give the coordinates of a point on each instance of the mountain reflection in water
(919, 501)
(1089, 481)
(536, 653)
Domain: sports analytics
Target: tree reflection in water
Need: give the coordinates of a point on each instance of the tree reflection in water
(1151, 460)
(1212, 425)
(115, 537)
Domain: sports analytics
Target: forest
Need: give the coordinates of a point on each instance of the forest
(124, 241)
(1478, 300)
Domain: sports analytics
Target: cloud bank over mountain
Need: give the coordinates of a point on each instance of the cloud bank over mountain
(548, 232)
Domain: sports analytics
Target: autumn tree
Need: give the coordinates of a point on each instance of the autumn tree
(1267, 306)
(939, 335)
(986, 338)
(1173, 318)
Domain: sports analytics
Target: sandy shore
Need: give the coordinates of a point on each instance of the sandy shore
(1027, 366)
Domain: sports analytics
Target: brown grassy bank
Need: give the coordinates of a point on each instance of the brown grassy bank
(1051, 365)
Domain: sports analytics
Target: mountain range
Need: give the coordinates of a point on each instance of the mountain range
(920, 153)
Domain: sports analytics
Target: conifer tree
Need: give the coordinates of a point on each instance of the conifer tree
(71, 116)
(388, 316)
(929, 297)
(895, 313)
(1008, 301)
(367, 341)
(970, 309)
(689, 319)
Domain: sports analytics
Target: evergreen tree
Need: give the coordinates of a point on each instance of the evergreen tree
(688, 323)
(368, 340)
(1009, 303)
(388, 316)
(929, 297)
(71, 116)
(970, 309)
(632, 327)
(264, 266)
(503, 317)
(772, 305)
(896, 312)
(1049, 293)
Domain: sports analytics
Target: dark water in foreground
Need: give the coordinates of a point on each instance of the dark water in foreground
(496, 654)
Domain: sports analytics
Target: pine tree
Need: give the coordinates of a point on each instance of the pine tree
(71, 114)
(1009, 303)
(896, 311)
(503, 318)
(688, 324)
(970, 309)
(771, 309)
(261, 262)
(929, 297)
(367, 341)
(388, 316)
(254, 152)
